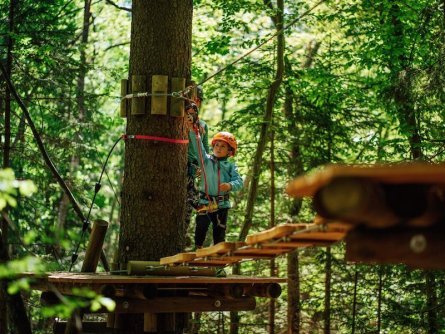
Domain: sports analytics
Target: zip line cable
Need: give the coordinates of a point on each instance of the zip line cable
(263, 43)
(47, 158)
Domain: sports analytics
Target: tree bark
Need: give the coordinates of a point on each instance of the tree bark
(327, 288)
(153, 193)
(293, 296)
(295, 169)
(354, 302)
(271, 225)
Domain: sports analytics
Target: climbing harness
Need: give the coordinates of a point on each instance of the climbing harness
(212, 204)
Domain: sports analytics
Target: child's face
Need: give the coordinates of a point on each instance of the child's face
(220, 149)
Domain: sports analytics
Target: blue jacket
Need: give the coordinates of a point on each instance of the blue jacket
(228, 173)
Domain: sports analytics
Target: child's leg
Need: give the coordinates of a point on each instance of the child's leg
(219, 221)
(202, 225)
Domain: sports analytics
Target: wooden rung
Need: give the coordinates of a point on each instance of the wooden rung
(327, 236)
(178, 258)
(276, 232)
(251, 252)
(219, 249)
(290, 245)
(214, 262)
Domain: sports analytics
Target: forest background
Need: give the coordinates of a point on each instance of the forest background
(362, 82)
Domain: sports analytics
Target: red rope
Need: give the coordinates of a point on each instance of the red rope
(154, 138)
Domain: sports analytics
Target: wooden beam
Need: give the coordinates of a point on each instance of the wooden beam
(159, 85)
(87, 327)
(184, 304)
(416, 247)
(177, 103)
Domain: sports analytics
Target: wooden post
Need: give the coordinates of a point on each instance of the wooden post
(159, 85)
(138, 85)
(150, 323)
(89, 265)
(94, 248)
(124, 102)
(271, 290)
(177, 104)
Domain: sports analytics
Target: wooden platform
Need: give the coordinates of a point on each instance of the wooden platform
(155, 294)
(415, 172)
(395, 212)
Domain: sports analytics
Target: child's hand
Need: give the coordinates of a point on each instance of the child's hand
(225, 187)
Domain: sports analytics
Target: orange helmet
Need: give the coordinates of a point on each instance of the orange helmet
(228, 138)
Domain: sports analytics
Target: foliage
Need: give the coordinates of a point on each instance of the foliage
(375, 79)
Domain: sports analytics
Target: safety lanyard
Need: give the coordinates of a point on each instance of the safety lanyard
(204, 174)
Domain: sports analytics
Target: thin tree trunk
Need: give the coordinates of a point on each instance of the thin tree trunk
(273, 273)
(267, 119)
(327, 297)
(354, 302)
(293, 296)
(430, 283)
(379, 300)
(402, 77)
(295, 169)
(81, 116)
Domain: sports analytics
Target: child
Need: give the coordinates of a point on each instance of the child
(219, 177)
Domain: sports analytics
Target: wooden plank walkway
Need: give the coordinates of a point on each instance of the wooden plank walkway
(263, 245)
(395, 213)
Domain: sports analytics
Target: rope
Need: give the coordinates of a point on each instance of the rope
(155, 138)
(261, 44)
(86, 221)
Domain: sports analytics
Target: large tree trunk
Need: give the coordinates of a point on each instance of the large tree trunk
(153, 194)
